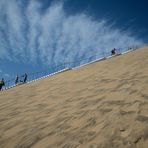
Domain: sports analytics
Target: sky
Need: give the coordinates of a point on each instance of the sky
(38, 34)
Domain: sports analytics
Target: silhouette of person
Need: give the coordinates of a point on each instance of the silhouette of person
(2, 83)
(16, 79)
(113, 51)
(25, 78)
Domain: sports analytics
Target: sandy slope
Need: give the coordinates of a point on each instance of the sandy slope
(102, 105)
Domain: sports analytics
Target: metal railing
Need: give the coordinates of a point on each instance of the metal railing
(70, 64)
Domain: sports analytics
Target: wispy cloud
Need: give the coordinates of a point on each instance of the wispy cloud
(2, 74)
(7, 75)
(27, 33)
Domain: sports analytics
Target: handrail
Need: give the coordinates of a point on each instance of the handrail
(71, 64)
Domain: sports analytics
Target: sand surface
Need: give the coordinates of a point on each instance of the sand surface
(102, 105)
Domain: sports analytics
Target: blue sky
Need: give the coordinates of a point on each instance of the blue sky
(35, 34)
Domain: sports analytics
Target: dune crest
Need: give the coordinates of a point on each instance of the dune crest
(101, 105)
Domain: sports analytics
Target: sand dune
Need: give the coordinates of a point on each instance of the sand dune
(101, 105)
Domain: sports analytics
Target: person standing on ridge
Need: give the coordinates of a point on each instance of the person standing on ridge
(2, 83)
(113, 51)
(25, 78)
(16, 79)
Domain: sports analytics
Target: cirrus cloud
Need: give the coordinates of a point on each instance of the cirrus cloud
(29, 34)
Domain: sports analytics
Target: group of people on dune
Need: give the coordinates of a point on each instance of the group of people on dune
(17, 81)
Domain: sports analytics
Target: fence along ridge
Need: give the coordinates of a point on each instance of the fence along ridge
(67, 66)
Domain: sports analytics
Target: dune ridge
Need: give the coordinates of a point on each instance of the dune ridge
(101, 105)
